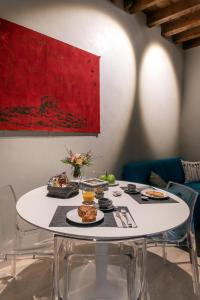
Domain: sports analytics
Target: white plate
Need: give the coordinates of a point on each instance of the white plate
(73, 216)
(145, 193)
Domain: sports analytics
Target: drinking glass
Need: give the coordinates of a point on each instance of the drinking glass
(88, 194)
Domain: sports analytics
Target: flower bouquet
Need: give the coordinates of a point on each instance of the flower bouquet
(77, 161)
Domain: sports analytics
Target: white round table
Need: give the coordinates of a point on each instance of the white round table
(38, 209)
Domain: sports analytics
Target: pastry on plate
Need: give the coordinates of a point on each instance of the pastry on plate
(90, 216)
(87, 213)
(155, 194)
(82, 210)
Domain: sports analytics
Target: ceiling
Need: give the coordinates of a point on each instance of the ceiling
(179, 19)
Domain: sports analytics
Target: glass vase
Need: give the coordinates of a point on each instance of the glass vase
(76, 172)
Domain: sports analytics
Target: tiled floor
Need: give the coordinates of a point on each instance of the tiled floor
(167, 282)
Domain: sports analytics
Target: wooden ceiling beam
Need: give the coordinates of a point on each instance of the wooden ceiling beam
(180, 25)
(133, 6)
(187, 35)
(191, 44)
(172, 12)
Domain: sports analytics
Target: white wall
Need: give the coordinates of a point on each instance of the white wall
(140, 81)
(190, 121)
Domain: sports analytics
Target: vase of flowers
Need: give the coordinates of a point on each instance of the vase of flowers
(77, 161)
(76, 171)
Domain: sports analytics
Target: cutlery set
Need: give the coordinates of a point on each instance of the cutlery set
(124, 218)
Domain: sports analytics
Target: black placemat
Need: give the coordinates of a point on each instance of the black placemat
(138, 198)
(59, 218)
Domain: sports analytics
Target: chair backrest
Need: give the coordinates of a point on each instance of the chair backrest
(189, 196)
(8, 218)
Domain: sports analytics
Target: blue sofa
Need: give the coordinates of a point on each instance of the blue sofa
(169, 169)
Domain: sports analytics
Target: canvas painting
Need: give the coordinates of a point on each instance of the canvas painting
(46, 84)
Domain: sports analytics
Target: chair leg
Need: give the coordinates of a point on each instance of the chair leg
(131, 271)
(67, 270)
(64, 249)
(164, 253)
(194, 263)
(141, 264)
(164, 250)
(55, 292)
(65, 280)
(13, 266)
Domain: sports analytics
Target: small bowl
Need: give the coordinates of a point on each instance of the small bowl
(99, 195)
(131, 186)
(104, 202)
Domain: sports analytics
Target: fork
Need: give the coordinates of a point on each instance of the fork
(124, 214)
(117, 212)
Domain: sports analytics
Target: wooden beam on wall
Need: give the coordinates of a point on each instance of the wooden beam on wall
(133, 6)
(180, 25)
(187, 35)
(172, 12)
(191, 44)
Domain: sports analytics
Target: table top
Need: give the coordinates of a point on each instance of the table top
(38, 209)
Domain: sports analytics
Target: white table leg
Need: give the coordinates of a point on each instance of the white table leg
(103, 289)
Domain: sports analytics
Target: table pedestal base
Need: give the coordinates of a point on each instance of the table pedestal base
(111, 287)
(106, 291)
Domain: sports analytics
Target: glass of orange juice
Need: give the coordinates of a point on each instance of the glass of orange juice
(88, 195)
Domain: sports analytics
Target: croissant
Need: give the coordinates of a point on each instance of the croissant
(155, 193)
(82, 210)
(87, 213)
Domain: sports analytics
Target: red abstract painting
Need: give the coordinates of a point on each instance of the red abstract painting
(46, 84)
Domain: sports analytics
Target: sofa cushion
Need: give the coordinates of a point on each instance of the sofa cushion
(174, 169)
(140, 171)
(194, 185)
(191, 170)
(169, 169)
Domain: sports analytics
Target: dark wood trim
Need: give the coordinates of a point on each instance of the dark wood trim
(179, 20)
(191, 44)
(187, 35)
(180, 25)
(133, 6)
(172, 12)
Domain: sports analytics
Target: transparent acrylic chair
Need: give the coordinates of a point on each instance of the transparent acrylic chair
(16, 244)
(70, 252)
(183, 235)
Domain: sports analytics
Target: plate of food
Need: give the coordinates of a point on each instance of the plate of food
(85, 215)
(154, 194)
